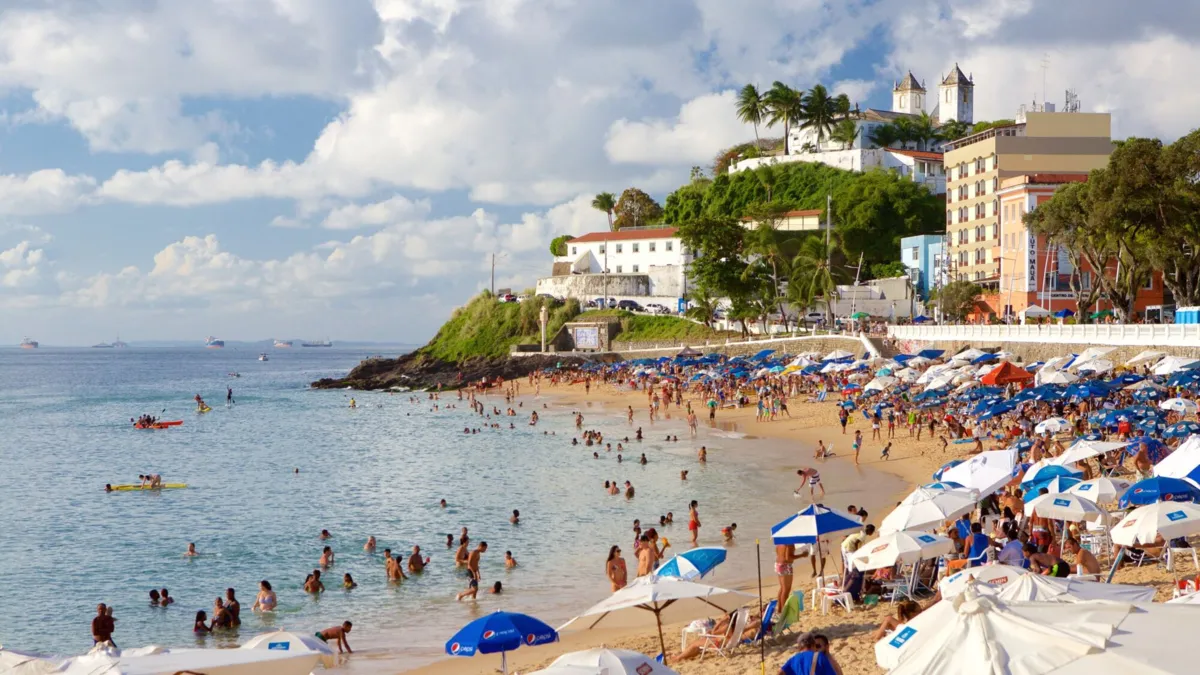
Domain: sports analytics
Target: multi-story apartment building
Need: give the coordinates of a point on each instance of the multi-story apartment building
(1039, 142)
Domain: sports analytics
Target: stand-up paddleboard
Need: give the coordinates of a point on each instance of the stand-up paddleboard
(164, 486)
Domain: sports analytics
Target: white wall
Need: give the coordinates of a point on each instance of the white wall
(1140, 335)
(666, 251)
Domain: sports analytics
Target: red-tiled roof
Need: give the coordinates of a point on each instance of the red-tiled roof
(794, 214)
(626, 235)
(918, 154)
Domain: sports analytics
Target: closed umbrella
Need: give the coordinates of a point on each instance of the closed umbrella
(900, 547)
(1101, 490)
(693, 564)
(925, 509)
(500, 632)
(605, 662)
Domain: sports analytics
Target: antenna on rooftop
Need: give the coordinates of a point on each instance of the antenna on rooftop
(1045, 67)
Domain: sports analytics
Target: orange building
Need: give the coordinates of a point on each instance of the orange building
(1034, 273)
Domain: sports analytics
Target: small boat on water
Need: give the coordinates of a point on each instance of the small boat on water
(158, 425)
(213, 343)
(29, 344)
(318, 343)
(263, 357)
(283, 344)
(102, 345)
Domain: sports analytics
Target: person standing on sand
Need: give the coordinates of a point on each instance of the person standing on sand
(615, 569)
(857, 445)
(694, 521)
(843, 418)
(785, 557)
(645, 556)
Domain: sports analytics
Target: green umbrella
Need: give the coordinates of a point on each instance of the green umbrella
(859, 315)
(1102, 314)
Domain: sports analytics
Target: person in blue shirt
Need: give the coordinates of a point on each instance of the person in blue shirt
(814, 659)
(963, 525)
(978, 544)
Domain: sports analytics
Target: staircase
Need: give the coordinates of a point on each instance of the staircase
(881, 348)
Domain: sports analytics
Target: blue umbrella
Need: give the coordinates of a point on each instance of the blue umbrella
(500, 632)
(1181, 429)
(983, 358)
(1064, 313)
(1159, 489)
(1020, 468)
(762, 355)
(1148, 394)
(1090, 389)
(693, 564)
(1022, 444)
(814, 522)
(1093, 436)
(943, 485)
(1034, 484)
(921, 319)
(1151, 425)
(937, 475)
(1126, 379)
(931, 353)
(903, 358)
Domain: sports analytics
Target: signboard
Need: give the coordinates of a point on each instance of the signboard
(587, 338)
(1031, 263)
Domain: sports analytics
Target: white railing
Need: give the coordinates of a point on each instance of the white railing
(1141, 335)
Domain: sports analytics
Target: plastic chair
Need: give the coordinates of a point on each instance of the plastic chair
(1177, 551)
(727, 643)
(830, 594)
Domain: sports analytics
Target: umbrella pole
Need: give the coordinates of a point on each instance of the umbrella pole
(504, 662)
(1116, 563)
(762, 644)
(662, 644)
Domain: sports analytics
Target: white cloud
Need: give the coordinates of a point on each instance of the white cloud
(704, 126)
(354, 216)
(44, 191)
(21, 266)
(857, 90)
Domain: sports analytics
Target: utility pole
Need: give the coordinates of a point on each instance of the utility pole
(543, 319)
(493, 275)
(829, 257)
(604, 304)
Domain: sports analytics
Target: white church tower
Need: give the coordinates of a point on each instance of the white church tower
(908, 96)
(956, 98)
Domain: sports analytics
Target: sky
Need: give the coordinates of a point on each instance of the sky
(347, 169)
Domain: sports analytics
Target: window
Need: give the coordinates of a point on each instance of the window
(652, 247)
(950, 216)
(995, 230)
(618, 269)
(964, 96)
(635, 269)
(995, 208)
(1149, 284)
(670, 245)
(962, 258)
(601, 249)
(979, 165)
(618, 248)
(635, 247)
(995, 183)
(574, 250)
(916, 254)
(948, 93)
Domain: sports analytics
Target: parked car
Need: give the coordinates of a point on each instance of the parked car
(507, 297)
(655, 308)
(630, 305)
(814, 317)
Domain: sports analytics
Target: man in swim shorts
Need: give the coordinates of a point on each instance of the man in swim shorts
(473, 560)
(785, 556)
(338, 635)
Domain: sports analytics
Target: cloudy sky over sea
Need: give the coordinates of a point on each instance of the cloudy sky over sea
(257, 168)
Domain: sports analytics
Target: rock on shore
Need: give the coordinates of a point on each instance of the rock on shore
(419, 371)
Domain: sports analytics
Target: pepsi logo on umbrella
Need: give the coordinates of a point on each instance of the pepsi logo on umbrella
(489, 634)
(879, 548)
(454, 648)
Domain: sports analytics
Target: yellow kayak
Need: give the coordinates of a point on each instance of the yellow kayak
(204, 409)
(164, 486)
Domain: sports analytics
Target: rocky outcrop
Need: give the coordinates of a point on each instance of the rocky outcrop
(417, 371)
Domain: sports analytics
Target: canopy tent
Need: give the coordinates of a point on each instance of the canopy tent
(688, 352)
(1033, 311)
(1007, 373)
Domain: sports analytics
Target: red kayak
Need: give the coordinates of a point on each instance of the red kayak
(159, 425)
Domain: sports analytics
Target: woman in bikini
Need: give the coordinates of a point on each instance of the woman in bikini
(265, 602)
(694, 521)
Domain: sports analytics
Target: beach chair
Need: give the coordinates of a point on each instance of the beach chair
(765, 625)
(789, 616)
(1176, 551)
(727, 643)
(829, 594)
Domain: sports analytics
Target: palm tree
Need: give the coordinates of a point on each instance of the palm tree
(924, 130)
(884, 136)
(784, 104)
(606, 202)
(770, 252)
(905, 132)
(819, 111)
(953, 130)
(845, 132)
(767, 177)
(752, 107)
(704, 305)
(842, 102)
(813, 278)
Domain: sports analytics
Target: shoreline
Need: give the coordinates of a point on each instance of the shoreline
(772, 449)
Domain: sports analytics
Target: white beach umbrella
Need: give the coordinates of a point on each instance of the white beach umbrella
(1081, 450)
(1064, 506)
(1096, 366)
(1189, 599)
(653, 594)
(1173, 364)
(1179, 405)
(1144, 384)
(997, 576)
(999, 637)
(926, 508)
(208, 661)
(1101, 490)
(900, 547)
(933, 372)
(942, 381)
(968, 355)
(985, 473)
(1182, 461)
(966, 385)
(881, 383)
(987, 368)
(16, 663)
(1041, 588)
(1148, 356)
(917, 362)
(605, 662)
(1143, 525)
(837, 354)
(282, 640)
(1056, 363)
(1092, 353)
(1057, 377)
(1052, 425)
(906, 374)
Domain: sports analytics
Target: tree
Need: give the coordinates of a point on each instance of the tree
(784, 105)
(957, 299)
(814, 279)
(953, 130)
(769, 252)
(703, 305)
(906, 131)
(558, 245)
(751, 107)
(818, 111)
(879, 208)
(889, 270)
(924, 130)
(606, 202)
(717, 245)
(984, 126)
(884, 136)
(1064, 221)
(767, 177)
(636, 209)
(845, 132)
(1176, 251)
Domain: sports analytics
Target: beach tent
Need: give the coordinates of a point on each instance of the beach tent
(1007, 373)
(603, 661)
(688, 352)
(1032, 311)
(985, 473)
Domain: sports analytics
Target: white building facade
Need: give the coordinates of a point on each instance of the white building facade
(640, 264)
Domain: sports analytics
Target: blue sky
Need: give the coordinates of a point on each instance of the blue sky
(307, 168)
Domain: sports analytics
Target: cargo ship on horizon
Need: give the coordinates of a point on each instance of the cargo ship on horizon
(213, 343)
(26, 343)
(319, 343)
(283, 344)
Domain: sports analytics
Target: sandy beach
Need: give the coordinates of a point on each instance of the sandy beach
(876, 484)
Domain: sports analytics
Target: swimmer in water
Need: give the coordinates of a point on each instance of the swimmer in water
(509, 561)
(415, 562)
(643, 461)
(449, 541)
(703, 454)
(325, 535)
(353, 403)
(442, 503)
(348, 581)
(191, 551)
(369, 547)
(516, 517)
(327, 557)
(313, 583)
(265, 602)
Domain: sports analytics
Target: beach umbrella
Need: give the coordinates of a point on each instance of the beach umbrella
(918, 361)
(1181, 429)
(1151, 426)
(1058, 377)
(654, 594)
(500, 632)
(1041, 477)
(998, 575)
(906, 374)
(1104, 313)
(1052, 425)
(1021, 445)
(942, 485)
(1101, 490)
(880, 383)
(1064, 506)
(1183, 462)
(921, 319)
(1127, 379)
(1085, 449)
(924, 509)
(969, 355)
(1160, 489)
(1090, 389)
(603, 661)
(17, 663)
(1143, 384)
(937, 475)
(900, 547)
(813, 523)
(984, 473)
(1041, 588)
(1064, 313)
(693, 564)
(983, 358)
(1143, 525)
(860, 315)
(1061, 483)
(1147, 356)
(1096, 366)
(1148, 394)
(1179, 405)
(1174, 364)
(837, 355)
(931, 353)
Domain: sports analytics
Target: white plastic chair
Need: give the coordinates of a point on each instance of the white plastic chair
(725, 644)
(830, 593)
(1172, 552)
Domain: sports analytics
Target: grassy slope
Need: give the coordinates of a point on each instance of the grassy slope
(484, 327)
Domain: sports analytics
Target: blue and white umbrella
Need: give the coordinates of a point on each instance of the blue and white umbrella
(500, 632)
(693, 564)
(1052, 425)
(1160, 489)
(1181, 429)
(1179, 405)
(814, 522)
(1042, 477)
(937, 475)
(943, 485)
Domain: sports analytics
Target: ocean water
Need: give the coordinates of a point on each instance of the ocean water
(380, 469)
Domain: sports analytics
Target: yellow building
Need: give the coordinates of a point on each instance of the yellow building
(1039, 143)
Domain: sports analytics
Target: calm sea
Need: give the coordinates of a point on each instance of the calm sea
(376, 470)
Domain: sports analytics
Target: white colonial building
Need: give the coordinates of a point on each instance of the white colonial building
(641, 264)
(955, 101)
